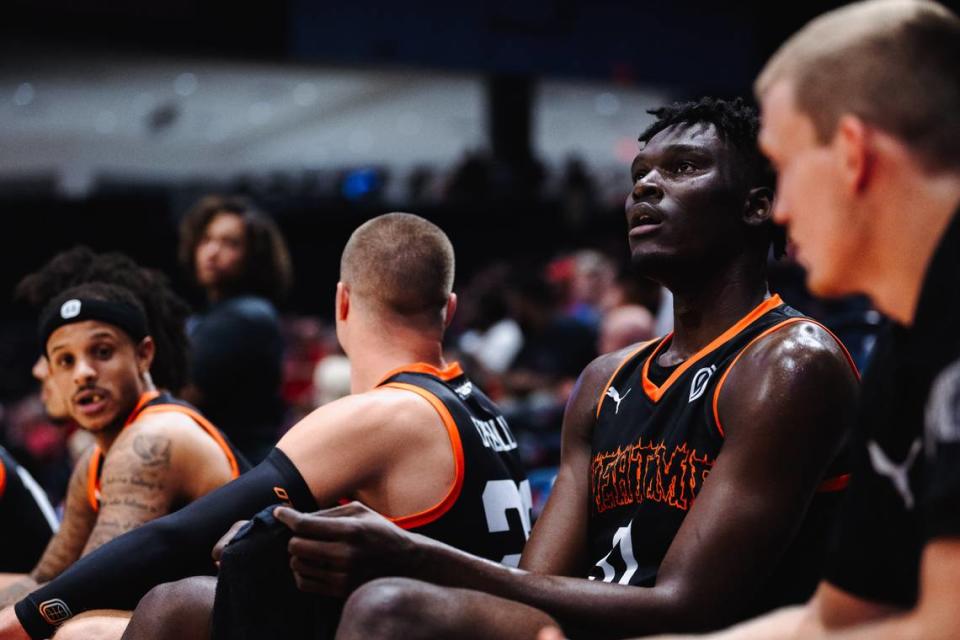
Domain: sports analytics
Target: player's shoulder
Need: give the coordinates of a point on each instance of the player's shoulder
(598, 373)
(797, 362)
(801, 347)
(173, 424)
(382, 410)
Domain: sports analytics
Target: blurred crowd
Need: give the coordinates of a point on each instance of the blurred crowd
(525, 329)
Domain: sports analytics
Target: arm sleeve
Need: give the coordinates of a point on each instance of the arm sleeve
(119, 573)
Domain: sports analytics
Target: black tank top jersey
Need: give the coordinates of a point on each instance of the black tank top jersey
(487, 510)
(27, 521)
(657, 436)
(163, 402)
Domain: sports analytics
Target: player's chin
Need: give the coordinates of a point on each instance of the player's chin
(96, 423)
(650, 260)
(824, 282)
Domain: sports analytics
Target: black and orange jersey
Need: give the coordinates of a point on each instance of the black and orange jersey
(658, 434)
(152, 402)
(27, 521)
(486, 510)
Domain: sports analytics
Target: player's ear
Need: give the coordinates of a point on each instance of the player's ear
(145, 351)
(449, 310)
(342, 302)
(758, 207)
(854, 153)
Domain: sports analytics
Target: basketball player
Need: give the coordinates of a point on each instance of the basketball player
(416, 441)
(152, 454)
(26, 519)
(697, 481)
(862, 119)
(166, 314)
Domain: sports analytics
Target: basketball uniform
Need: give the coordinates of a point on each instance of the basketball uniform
(657, 436)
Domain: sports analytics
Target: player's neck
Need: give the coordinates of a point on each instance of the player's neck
(704, 310)
(378, 356)
(893, 270)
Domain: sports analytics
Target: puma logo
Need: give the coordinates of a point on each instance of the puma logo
(898, 473)
(613, 393)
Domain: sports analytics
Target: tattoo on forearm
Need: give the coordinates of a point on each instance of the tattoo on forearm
(154, 451)
(135, 487)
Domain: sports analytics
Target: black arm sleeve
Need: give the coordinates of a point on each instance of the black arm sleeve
(119, 573)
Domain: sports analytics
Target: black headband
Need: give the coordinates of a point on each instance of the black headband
(119, 314)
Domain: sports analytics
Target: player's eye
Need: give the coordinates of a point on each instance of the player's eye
(64, 362)
(684, 166)
(103, 352)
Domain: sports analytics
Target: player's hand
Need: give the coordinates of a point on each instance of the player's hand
(225, 540)
(334, 551)
(10, 628)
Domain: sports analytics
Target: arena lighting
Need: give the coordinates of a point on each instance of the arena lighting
(360, 183)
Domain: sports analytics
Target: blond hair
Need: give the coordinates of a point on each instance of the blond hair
(402, 263)
(893, 63)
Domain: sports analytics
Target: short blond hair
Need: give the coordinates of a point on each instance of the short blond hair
(892, 63)
(402, 263)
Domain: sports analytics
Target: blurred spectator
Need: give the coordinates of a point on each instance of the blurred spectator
(237, 255)
(331, 379)
(492, 338)
(555, 348)
(624, 326)
(593, 287)
(304, 342)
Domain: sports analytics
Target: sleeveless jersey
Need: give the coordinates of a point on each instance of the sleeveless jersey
(657, 436)
(486, 512)
(152, 402)
(27, 521)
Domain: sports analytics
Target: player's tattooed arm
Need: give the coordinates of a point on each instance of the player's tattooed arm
(67, 543)
(137, 484)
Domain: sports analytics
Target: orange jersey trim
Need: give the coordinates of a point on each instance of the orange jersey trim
(204, 424)
(836, 483)
(433, 513)
(655, 392)
(628, 358)
(3, 479)
(93, 471)
(776, 327)
(93, 480)
(448, 373)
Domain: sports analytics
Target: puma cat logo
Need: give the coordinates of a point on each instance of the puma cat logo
(898, 473)
(613, 393)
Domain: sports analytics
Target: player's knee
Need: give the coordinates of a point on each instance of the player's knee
(85, 629)
(173, 608)
(389, 608)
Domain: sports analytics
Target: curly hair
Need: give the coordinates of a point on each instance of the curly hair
(166, 312)
(738, 124)
(267, 270)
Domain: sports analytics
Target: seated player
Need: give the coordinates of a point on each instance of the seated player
(415, 441)
(699, 472)
(153, 454)
(26, 518)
